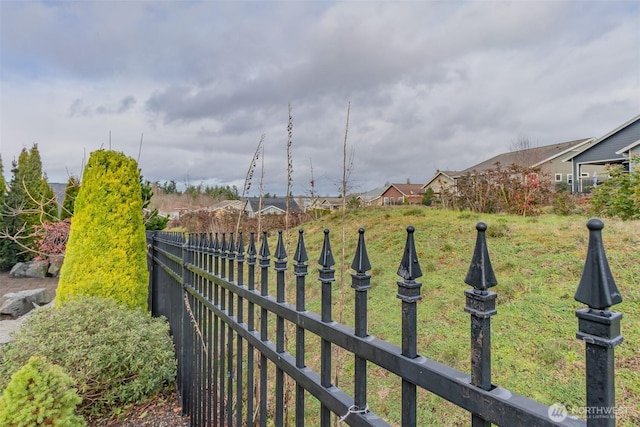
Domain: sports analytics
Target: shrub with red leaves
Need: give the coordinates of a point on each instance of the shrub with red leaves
(52, 238)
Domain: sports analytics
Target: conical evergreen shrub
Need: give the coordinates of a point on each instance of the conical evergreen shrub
(40, 393)
(106, 251)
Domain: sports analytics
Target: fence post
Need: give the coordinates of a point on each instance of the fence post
(153, 281)
(280, 265)
(300, 271)
(409, 293)
(361, 283)
(231, 255)
(599, 328)
(220, 361)
(187, 339)
(217, 331)
(481, 305)
(239, 345)
(327, 277)
(264, 336)
(251, 265)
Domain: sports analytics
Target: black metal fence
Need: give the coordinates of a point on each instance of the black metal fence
(228, 368)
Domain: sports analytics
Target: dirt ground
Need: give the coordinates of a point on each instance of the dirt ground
(8, 284)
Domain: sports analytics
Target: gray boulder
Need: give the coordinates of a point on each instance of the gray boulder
(55, 264)
(30, 269)
(17, 304)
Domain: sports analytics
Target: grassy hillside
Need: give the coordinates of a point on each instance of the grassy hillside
(538, 263)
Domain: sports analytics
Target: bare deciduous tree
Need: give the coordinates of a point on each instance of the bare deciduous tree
(524, 155)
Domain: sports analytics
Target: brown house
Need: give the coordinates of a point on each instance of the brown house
(400, 194)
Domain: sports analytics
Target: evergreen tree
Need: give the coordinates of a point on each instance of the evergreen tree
(70, 194)
(29, 202)
(106, 251)
(152, 218)
(3, 190)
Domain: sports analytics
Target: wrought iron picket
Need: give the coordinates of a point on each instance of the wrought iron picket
(199, 283)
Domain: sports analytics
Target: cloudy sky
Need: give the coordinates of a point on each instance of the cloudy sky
(432, 85)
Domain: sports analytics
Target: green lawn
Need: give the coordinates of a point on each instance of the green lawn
(538, 262)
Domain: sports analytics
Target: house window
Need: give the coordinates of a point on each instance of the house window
(569, 178)
(584, 174)
(558, 177)
(385, 201)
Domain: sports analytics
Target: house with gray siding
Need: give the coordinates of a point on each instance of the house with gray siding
(615, 147)
(270, 206)
(548, 159)
(632, 152)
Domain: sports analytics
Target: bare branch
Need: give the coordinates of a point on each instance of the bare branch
(289, 168)
(247, 181)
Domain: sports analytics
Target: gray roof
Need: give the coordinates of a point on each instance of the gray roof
(278, 202)
(526, 158)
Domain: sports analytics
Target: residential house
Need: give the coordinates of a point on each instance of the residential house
(548, 158)
(304, 202)
(369, 197)
(632, 152)
(400, 194)
(326, 203)
(226, 205)
(615, 147)
(441, 181)
(270, 206)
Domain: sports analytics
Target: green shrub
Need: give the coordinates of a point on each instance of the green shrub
(115, 355)
(428, 196)
(40, 393)
(106, 251)
(618, 196)
(563, 202)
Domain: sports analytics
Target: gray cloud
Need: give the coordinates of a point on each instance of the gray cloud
(79, 109)
(431, 84)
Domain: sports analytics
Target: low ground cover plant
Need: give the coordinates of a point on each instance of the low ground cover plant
(115, 355)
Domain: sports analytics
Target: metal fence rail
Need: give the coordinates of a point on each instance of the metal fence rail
(206, 287)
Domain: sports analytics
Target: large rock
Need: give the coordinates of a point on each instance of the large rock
(30, 269)
(17, 304)
(55, 264)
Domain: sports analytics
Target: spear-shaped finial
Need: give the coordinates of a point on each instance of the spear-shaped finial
(597, 288)
(251, 250)
(216, 243)
(409, 268)
(281, 253)
(326, 256)
(223, 245)
(240, 247)
(264, 249)
(361, 262)
(301, 252)
(480, 274)
(231, 248)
